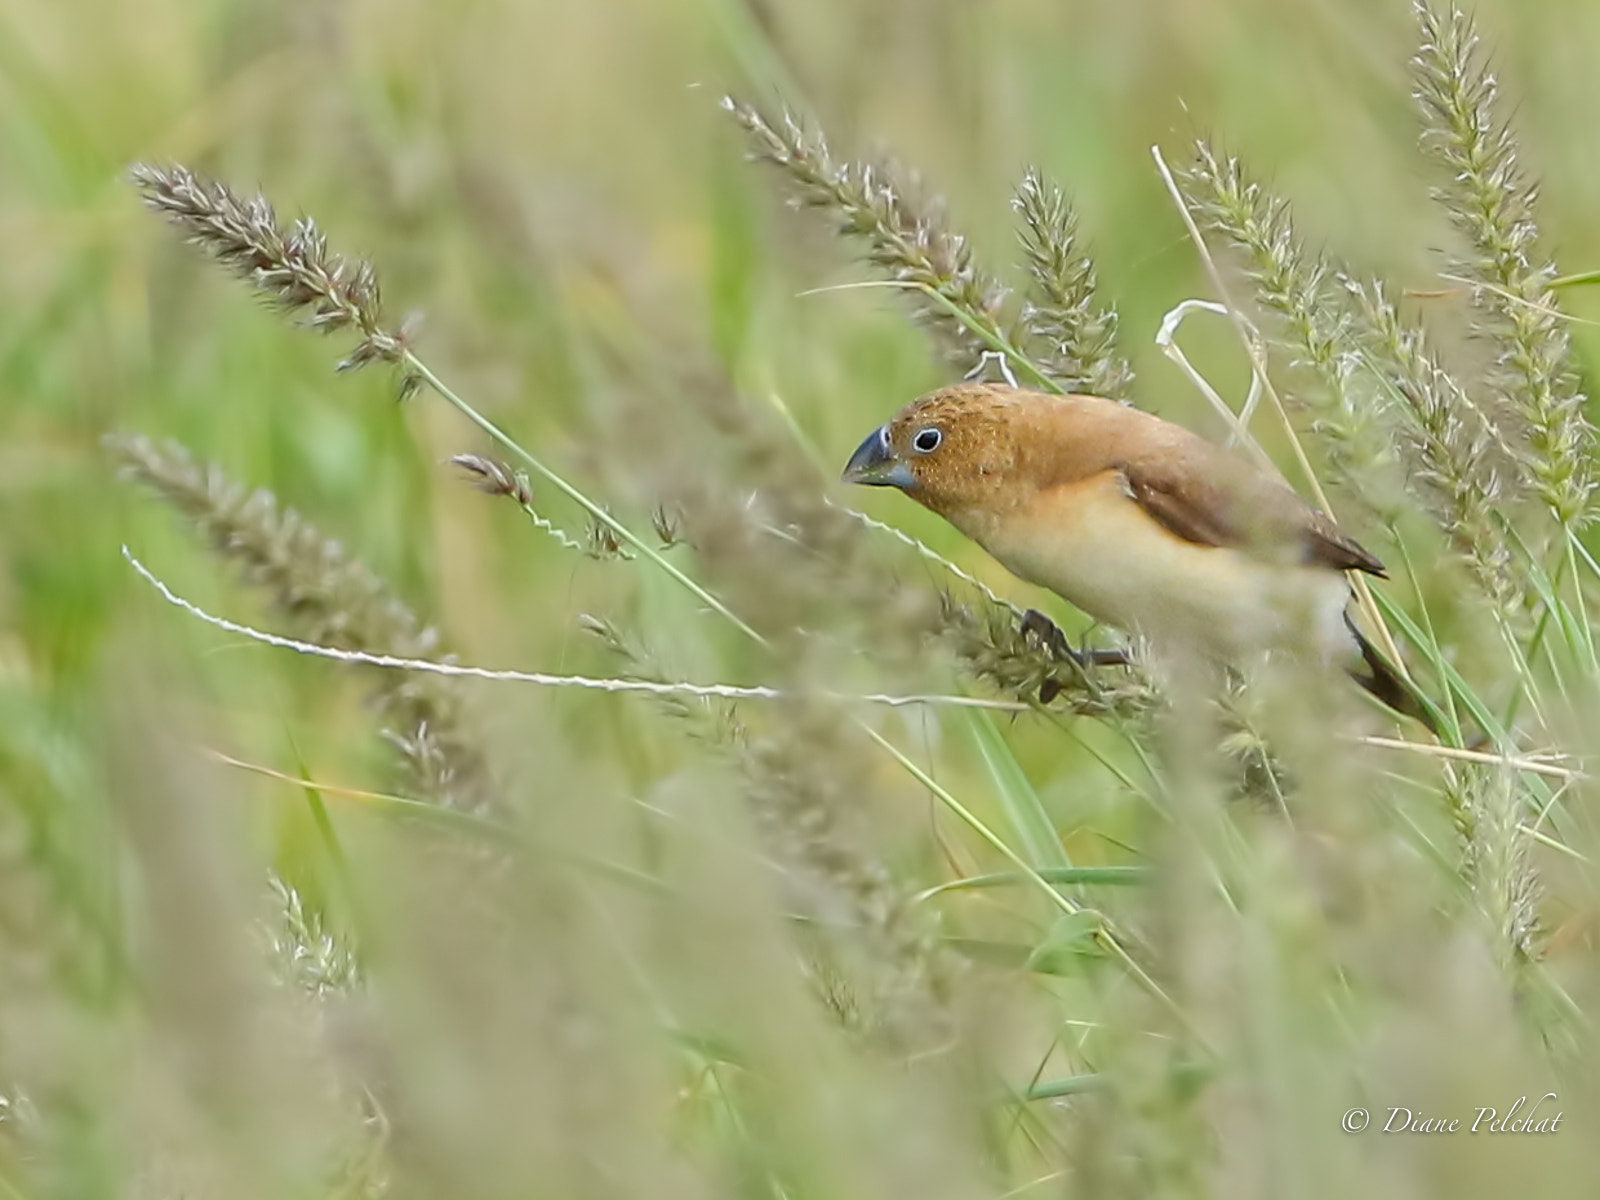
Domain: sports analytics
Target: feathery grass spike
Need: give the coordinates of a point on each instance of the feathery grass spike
(1063, 310)
(1491, 203)
(911, 242)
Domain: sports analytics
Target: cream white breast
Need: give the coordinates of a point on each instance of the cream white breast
(1091, 544)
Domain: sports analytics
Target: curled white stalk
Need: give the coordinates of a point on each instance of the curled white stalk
(1001, 362)
(1238, 423)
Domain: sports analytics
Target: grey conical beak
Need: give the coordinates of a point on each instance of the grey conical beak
(874, 463)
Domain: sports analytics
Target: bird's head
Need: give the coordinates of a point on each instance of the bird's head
(953, 450)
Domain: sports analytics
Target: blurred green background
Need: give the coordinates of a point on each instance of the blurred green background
(554, 187)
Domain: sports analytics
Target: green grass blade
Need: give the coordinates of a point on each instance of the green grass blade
(1116, 876)
(1029, 819)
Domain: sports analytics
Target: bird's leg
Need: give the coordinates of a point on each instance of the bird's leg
(1036, 624)
(1103, 658)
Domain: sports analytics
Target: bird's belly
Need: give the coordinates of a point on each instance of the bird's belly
(1107, 556)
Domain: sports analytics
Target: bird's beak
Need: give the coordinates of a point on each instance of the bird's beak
(874, 463)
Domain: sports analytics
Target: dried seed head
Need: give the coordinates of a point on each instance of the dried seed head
(496, 478)
(668, 525)
(333, 599)
(603, 541)
(294, 268)
(910, 240)
(1489, 199)
(1063, 311)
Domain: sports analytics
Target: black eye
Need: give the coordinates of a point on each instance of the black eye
(927, 441)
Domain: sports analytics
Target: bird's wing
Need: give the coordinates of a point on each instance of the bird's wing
(1329, 547)
(1228, 504)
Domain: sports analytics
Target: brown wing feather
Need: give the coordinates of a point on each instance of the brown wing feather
(1327, 546)
(1179, 510)
(1231, 505)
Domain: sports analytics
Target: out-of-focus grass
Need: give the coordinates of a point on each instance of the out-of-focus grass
(636, 999)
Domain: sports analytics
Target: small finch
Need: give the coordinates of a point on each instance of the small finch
(1138, 522)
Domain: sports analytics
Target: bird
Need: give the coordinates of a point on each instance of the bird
(1139, 522)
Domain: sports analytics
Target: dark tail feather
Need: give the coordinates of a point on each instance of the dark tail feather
(1389, 687)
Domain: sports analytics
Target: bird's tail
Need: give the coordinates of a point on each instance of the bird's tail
(1382, 680)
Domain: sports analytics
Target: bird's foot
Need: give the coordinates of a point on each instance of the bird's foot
(1036, 625)
(1041, 628)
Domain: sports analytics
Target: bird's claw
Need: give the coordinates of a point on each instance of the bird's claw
(1040, 627)
(1035, 624)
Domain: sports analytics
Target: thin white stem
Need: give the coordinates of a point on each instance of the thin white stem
(927, 552)
(1238, 422)
(704, 691)
(1515, 762)
(562, 538)
(1001, 364)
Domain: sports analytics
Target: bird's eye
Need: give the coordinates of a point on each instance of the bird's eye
(927, 441)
